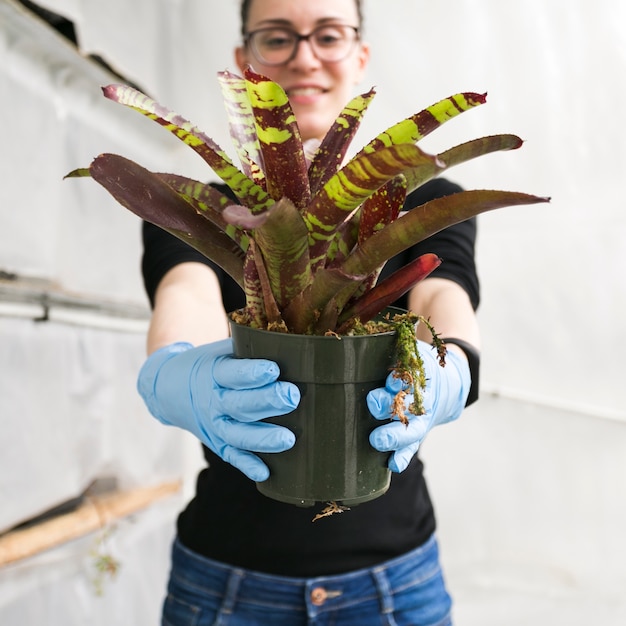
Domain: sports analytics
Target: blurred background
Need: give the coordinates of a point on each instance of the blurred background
(529, 486)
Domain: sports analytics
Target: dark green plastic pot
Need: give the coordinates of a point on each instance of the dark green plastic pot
(332, 459)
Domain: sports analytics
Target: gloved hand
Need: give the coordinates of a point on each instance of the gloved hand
(445, 395)
(220, 400)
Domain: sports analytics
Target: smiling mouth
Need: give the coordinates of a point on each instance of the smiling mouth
(305, 91)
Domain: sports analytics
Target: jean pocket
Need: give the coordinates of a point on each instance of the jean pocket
(177, 612)
(427, 603)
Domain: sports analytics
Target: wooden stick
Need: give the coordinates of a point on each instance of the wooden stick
(95, 513)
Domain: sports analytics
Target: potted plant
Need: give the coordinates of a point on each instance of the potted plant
(306, 239)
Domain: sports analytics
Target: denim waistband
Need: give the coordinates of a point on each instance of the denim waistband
(310, 595)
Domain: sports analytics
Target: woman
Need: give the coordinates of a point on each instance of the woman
(241, 558)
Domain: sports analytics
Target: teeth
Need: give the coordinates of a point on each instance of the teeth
(305, 91)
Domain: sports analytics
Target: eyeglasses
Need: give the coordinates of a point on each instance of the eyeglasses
(277, 46)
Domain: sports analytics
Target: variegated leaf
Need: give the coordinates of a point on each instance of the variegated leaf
(382, 207)
(416, 127)
(284, 162)
(208, 202)
(425, 220)
(283, 242)
(241, 123)
(250, 194)
(351, 186)
(332, 151)
(149, 197)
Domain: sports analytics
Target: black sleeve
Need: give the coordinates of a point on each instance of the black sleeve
(455, 245)
(162, 252)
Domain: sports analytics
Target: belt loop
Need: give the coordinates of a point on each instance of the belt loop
(384, 590)
(230, 593)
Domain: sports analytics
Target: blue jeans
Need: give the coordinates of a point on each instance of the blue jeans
(406, 591)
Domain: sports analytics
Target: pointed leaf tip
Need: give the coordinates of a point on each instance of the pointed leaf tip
(80, 172)
(109, 90)
(117, 91)
(476, 98)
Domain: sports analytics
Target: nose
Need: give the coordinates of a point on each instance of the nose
(304, 56)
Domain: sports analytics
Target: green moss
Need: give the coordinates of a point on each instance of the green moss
(409, 367)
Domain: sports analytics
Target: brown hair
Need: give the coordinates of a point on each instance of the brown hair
(245, 11)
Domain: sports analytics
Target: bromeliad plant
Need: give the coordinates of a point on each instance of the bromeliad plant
(308, 235)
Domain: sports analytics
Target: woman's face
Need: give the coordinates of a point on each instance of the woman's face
(317, 90)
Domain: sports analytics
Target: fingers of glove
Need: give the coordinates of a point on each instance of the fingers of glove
(400, 459)
(379, 402)
(249, 405)
(246, 462)
(396, 435)
(394, 384)
(233, 373)
(257, 437)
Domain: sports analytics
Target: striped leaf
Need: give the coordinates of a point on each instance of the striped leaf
(284, 162)
(425, 220)
(209, 202)
(460, 154)
(410, 228)
(250, 194)
(332, 151)
(149, 197)
(283, 242)
(241, 123)
(258, 295)
(382, 208)
(479, 147)
(416, 127)
(351, 186)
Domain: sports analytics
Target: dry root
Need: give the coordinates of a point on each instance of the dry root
(330, 509)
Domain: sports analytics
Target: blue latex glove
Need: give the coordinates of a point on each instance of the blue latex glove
(446, 392)
(220, 400)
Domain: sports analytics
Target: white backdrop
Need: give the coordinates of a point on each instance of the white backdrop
(537, 469)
